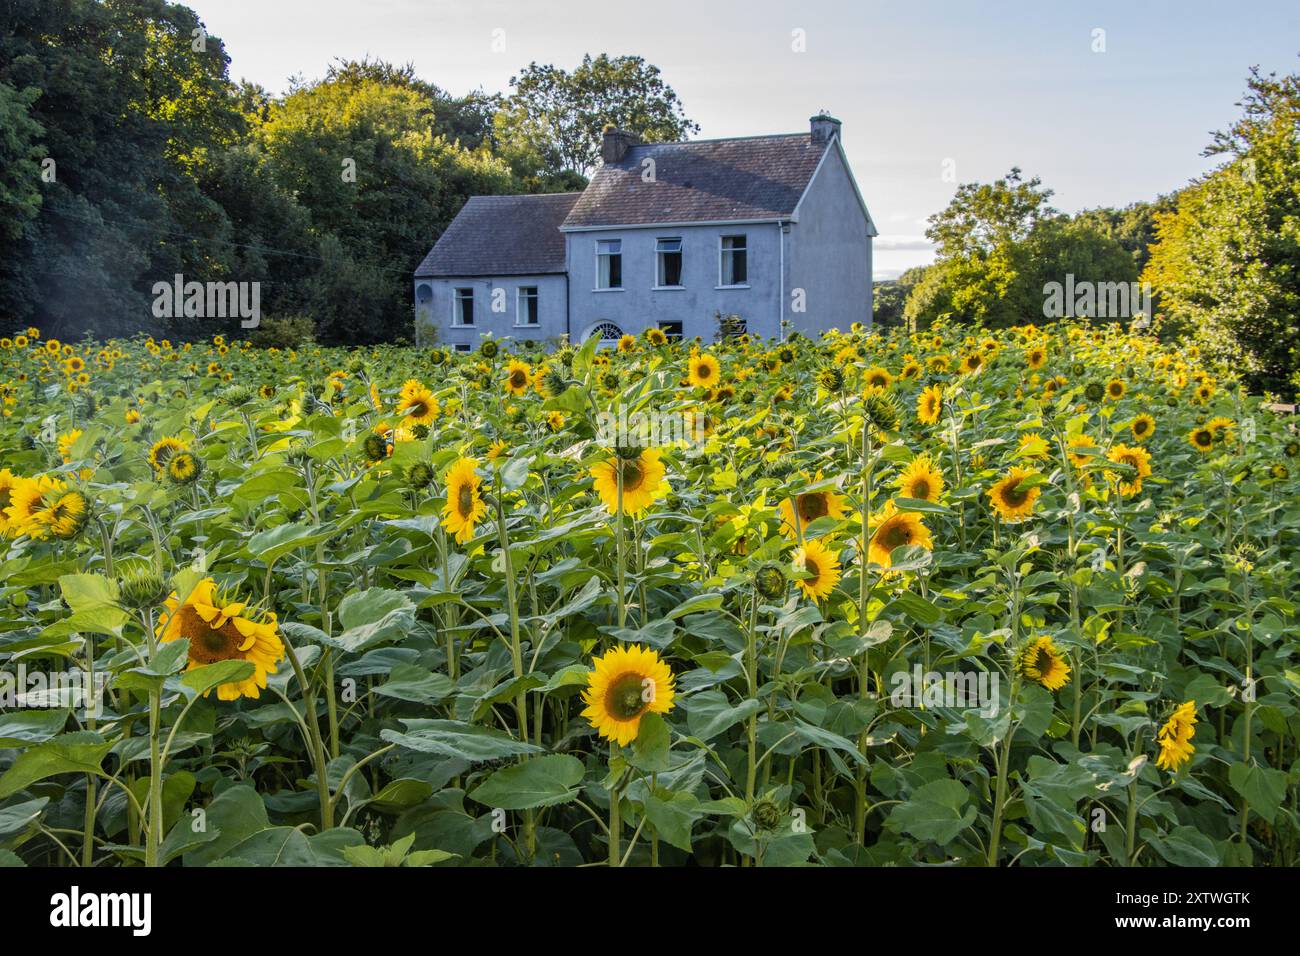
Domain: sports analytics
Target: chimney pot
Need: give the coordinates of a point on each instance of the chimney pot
(616, 143)
(824, 126)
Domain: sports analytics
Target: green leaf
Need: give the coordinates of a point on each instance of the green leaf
(673, 815)
(1263, 789)
(709, 713)
(653, 740)
(87, 591)
(936, 811)
(539, 782)
(270, 546)
(454, 738)
(80, 752)
(203, 679)
(372, 617)
(16, 818)
(21, 728)
(416, 684)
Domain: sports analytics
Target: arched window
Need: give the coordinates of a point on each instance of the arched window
(605, 331)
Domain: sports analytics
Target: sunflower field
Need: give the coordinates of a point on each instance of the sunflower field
(1020, 597)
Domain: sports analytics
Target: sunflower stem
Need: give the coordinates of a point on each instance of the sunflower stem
(317, 742)
(516, 652)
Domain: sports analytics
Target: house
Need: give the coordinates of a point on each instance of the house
(770, 229)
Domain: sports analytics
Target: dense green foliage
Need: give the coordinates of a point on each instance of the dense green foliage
(128, 156)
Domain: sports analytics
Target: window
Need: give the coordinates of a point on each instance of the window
(735, 261)
(462, 347)
(609, 264)
(462, 307)
(731, 326)
(671, 329)
(605, 332)
(668, 252)
(526, 313)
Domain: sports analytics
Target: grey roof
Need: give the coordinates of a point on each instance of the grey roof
(720, 180)
(502, 235)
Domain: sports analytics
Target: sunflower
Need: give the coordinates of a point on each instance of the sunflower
(1036, 357)
(627, 343)
(64, 513)
(1175, 737)
(518, 377)
(184, 468)
(643, 480)
(27, 498)
(1201, 438)
(921, 479)
(876, 380)
(1041, 661)
(222, 630)
(1079, 458)
(1221, 426)
(1012, 502)
(66, 441)
(498, 450)
(8, 482)
(703, 371)
(623, 686)
(554, 420)
(891, 529)
(809, 507)
(656, 337)
(465, 507)
(1143, 427)
(1115, 389)
(929, 404)
(971, 362)
(132, 416)
(417, 403)
(163, 449)
(821, 569)
(1135, 457)
(1031, 445)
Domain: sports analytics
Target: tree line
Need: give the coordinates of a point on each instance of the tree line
(1221, 256)
(129, 156)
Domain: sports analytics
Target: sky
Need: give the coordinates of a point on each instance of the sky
(1108, 102)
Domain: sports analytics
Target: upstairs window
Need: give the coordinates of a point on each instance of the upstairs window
(462, 307)
(668, 252)
(735, 261)
(609, 264)
(527, 306)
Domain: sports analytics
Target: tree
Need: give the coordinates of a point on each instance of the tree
(361, 152)
(561, 116)
(1000, 245)
(1227, 263)
(128, 110)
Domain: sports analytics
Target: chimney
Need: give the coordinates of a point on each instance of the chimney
(616, 144)
(824, 126)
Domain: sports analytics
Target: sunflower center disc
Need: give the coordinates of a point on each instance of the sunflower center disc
(624, 699)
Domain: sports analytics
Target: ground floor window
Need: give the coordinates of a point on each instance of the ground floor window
(671, 329)
(605, 331)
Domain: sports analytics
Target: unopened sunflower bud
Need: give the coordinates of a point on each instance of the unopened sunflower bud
(770, 582)
(766, 815)
(141, 586)
(419, 476)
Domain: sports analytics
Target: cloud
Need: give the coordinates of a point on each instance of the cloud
(903, 243)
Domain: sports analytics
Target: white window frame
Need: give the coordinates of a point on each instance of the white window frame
(521, 313)
(658, 264)
(722, 251)
(456, 322)
(610, 288)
